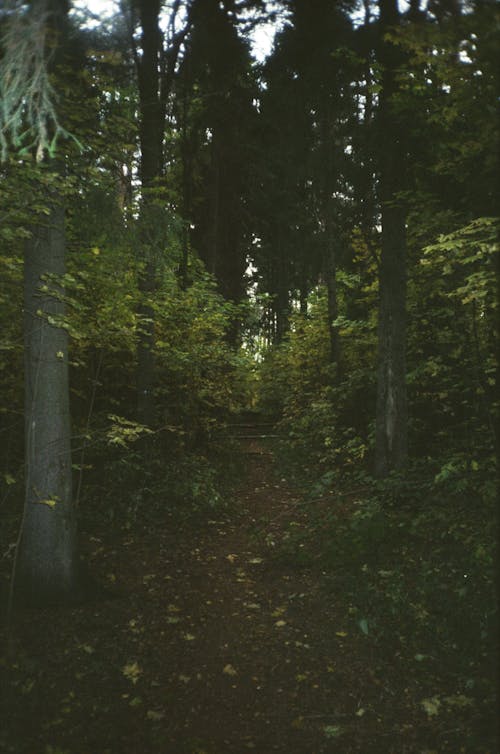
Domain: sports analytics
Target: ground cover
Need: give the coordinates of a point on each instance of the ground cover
(216, 639)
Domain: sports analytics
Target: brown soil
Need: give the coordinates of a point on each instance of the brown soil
(214, 647)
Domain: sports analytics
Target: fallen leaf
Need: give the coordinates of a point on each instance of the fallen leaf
(49, 503)
(28, 686)
(363, 624)
(332, 731)
(341, 633)
(188, 637)
(231, 557)
(459, 700)
(431, 705)
(132, 671)
(153, 715)
(229, 670)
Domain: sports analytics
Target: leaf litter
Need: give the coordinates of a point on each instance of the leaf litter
(293, 671)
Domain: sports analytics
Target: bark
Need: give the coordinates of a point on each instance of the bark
(155, 69)
(215, 192)
(303, 299)
(391, 423)
(187, 170)
(151, 139)
(46, 568)
(282, 296)
(391, 448)
(146, 362)
(331, 287)
(331, 232)
(216, 67)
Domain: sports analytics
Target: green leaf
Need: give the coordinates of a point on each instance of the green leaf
(332, 731)
(132, 671)
(48, 502)
(431, 706)
(363, 624)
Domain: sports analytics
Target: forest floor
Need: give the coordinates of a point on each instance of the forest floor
(212, 646)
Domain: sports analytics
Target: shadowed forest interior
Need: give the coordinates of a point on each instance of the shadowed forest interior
(248, 376)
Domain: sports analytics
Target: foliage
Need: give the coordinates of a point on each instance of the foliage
(198, 379)
(451, 379)
(420, 579)
(325, 422)
(415, 552)
(268, 169)
(452, 354)
(28, 112)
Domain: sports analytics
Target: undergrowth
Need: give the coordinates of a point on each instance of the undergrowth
(187, 486)
(416, 564)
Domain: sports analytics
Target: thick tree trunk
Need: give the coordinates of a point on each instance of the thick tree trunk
(391, 444)
(46, 568)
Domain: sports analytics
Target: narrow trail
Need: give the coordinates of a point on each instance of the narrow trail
(214, 647)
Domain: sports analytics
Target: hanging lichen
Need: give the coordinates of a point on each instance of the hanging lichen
(28, 116)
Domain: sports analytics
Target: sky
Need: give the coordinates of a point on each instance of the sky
(262, 37)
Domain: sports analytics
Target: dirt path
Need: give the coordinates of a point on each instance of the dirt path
(215, 648)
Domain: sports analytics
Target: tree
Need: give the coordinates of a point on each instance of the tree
(46, 567)
(217, 116)
(391, 444)
(155, 71)
(151, 164)
(306, 109)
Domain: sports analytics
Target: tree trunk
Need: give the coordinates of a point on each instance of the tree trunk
(187, 178)
(46, 562)
(212, 256)
(392, 420)
(331, 231)
(391, 444)
(331, 288)
(155, 72)
(282, 286)
(146, 363)
(151, 139)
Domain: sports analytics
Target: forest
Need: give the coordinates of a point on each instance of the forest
(248, 376)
